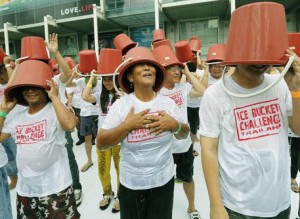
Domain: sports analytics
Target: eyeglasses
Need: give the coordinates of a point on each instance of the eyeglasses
(174, 68)
(217, 66)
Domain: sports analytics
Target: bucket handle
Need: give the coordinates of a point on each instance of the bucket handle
(284, 71)
(121, 94)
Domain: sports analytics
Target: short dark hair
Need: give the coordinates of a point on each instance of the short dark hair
(2, 69)
(191, 66)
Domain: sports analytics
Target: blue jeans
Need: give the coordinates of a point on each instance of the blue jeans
(11, 151)
(5, 204)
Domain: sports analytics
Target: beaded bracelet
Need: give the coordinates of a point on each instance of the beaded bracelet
(3, 114)
(178, 130)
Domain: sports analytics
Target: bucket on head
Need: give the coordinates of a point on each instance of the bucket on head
(158, 35)
(34, 47)
(166, 57)
(110, 59)
(294, 41)
(162, 42)
(33, 73)
(257, 35)
(216, 53)
(124, 43)
(140, 55)
(87, 61)
(195, 43)
(183, 51)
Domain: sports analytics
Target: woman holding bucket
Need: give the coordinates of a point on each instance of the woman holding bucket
(144, 122)
(110, 59)
(39, 129)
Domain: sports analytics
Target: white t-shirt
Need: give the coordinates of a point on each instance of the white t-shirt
(195, 101)
(88, 109)
(253, 151)
(61, 89)
(179, 94)
(42, 160)
(3, 156)
(146, 159)
(77, 100)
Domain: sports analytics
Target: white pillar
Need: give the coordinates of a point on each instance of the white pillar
(96, 31)
(6, 39)
(156, 13)
(232, 5)
(46, 30)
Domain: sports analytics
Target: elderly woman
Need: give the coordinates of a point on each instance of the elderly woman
(144, 122)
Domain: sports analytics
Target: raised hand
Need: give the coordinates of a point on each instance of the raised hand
(292, 78)
(52, 45)
(53, 92)
(6, 106)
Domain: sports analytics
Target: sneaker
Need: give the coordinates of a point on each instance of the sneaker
(104, 203)
(79, 142)
(116, 207)
(78, 196)
(194, 215)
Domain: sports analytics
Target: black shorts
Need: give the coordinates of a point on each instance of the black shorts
(88, 125)
(184, 165)
(193, 119)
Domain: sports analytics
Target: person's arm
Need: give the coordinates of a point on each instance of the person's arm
(86, 94)
(199, 60)
(69, 99)
(9, 69)
(198, 88)
(293, 82)
(108, 138)
(209, 157)
(70, 82)
(53, 48)
(66, 118)
(5, 107)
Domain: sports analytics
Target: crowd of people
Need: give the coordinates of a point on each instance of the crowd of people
(143, 108)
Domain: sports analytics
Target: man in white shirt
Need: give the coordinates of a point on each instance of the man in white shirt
(244, 122)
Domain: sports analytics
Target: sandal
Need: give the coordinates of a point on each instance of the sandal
(194, 215)
(86, 167)
(104, 203)
(116, 207)
(294, 187)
